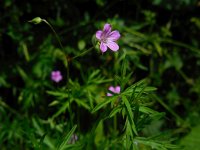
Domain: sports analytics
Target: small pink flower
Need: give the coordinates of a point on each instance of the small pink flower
(114, 90)
(108, 38)
(56, 76)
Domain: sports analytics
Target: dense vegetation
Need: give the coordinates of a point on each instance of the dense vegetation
(55, 79)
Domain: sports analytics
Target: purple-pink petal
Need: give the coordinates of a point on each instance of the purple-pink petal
(112, 45)
(107, 28)
(108, 38)
(114, 35)
(98, 34)
(56, 76)
(114, 90)
(111, 88)
(117, 89)
(103, 47)
(108, 94)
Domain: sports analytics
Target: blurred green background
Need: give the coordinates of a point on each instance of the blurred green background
(160, 39)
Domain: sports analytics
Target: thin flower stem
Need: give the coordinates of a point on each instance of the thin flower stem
(187, 79)
(85, 52)
(58, 39)
(170, 110)
(66, 65)
(115, 123)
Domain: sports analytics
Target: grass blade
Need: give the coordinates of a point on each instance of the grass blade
(66, 138)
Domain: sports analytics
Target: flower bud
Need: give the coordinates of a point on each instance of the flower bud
(36, 20)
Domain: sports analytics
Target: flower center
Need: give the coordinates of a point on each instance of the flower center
(104, 38)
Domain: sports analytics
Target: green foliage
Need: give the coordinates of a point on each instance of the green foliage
(191, 141)
(66, 138)
(174, 4)
(156, 67)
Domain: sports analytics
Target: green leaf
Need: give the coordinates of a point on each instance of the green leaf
(158, 48)
(147, 110)
(124, 67)
(156, 144)
(105, 102)
(192, 140)
(62, 109)
(58, 94)
(99, 133)
(82, 103)
(66, 138)
(40, 131)
(25, 51)
(196, 21)
(130, 114)
(23, 74)
(114, 111)
(53, 103)
(41, 142)
(129, 135)
(3, 81)
(138, 87)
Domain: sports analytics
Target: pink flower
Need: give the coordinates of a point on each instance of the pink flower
(108, 38)
(114, 90)
(56, 76)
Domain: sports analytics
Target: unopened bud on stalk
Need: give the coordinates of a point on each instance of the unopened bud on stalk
(36, 20)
